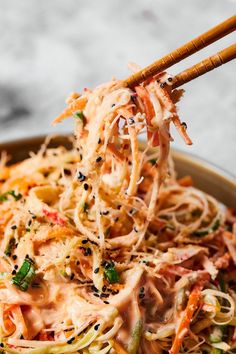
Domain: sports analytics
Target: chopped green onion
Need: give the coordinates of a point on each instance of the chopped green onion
(216, 225)
(10, 247)
(25, 275)
(111, 273)
(133, 345)
(3, 197)
(221, 282)
(81, 116)
(153, 161)
(216, 335)
(85, 207)
(201, 233)
(216, 351)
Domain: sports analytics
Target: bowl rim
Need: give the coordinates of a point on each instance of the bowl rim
(176, 152)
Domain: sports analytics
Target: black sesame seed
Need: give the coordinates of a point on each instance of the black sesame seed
(116, 219)
(104, 295)
(84, 242)
(106, 212)
(106, 302)
(96, 327)
(14, 257)
(135, 229)
(184, 125)
(99, 141)
(67, 257)
(170, 79)
(113, 105)
(96, 270)
(94, 289)
(88, 252)
(142, 289)
(95, 294)
(115, 292)
(131, 121)
(72, 276)
(14, 227)
(109, 265)
(98, 159)
(163, 84)
(104, 288)
(86, 186)
(1, 345)
(81, 177)
(16, 266)
(30, 222)
(70, 340)
(13, 272)
(118, 207)
(77, 263)
(34, 216)
(141, 296)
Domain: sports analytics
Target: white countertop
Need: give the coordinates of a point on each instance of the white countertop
(50, 48)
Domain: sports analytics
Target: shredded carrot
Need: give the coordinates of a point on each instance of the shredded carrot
(186, 181)
(118, 348)
(185, 321)
(74, 106)
(150, 113)
(111, 147)
(182, 130)
(18, 316)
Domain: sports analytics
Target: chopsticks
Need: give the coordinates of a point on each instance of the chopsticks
(185, 51)
(204, 66)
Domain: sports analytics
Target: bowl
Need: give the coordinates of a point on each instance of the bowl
(207, 177)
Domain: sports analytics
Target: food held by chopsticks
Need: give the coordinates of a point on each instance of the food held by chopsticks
(103, 249)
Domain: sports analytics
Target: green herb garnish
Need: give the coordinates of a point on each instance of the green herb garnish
(85, 207)
(201, 233)
(25, 275)
(111, 273)
(207, 231)
(216, 334)
(136, 336)
(4, 196)
(216, 225)
(80, 116)
(153, 161)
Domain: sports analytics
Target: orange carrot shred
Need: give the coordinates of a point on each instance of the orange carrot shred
(185, 321)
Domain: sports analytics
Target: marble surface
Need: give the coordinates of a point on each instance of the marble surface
(51, 47)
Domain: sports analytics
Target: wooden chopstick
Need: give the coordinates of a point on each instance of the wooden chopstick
(183, 52)
(204, 66)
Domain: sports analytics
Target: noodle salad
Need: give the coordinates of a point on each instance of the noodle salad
(103, 249)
